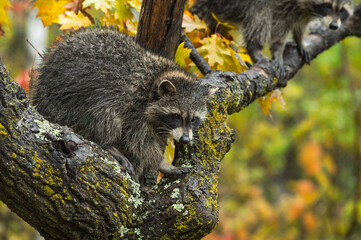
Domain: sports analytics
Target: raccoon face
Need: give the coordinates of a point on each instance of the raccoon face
(178, 111)
(333, 12)
(181, 126)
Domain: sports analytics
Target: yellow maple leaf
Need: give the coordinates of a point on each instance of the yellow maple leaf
(70, 20)
(191, 22)
(103, 5)
(3, 15)
(124, 10)
(136, 4)
(266, 102)
(181, 55)
(49, 11)
(212, 50)
(168, 155)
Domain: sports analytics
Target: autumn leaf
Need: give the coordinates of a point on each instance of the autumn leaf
(49, 11)
(136, 4)
(310, 158)
(103, 5)
(23, 79)
(3, 15)
(123, 10)
(212, 50)
(181, 55)
(295, 209)
(307, 191)
(168, 155)
(70, 20)
(191, 22)
(310, 221)
(266, 102)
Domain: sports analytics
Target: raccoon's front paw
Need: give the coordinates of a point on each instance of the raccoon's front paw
(179, 171)
(280, 69)
(305, 55)
(128, 166)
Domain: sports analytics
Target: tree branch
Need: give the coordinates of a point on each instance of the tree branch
(240, 90)
(69, 188)
(196, 57)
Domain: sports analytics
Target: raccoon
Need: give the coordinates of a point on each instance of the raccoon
(272, 20)
(110, 90)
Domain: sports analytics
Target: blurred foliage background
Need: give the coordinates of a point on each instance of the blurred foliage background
(293, 174)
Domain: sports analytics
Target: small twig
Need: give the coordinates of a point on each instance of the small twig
(35, 49)
(196, 57)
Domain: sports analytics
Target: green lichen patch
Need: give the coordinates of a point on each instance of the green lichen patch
(178, 206)
(46, 128)
(175, 193)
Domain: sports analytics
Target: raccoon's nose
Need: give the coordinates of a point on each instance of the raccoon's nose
(184, 139)
(333, 25)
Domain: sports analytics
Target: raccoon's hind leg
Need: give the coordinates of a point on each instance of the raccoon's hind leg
(298, 33)
(256, 31)
(122, 160)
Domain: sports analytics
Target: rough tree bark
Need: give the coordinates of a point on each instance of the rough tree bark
(159, 26)
(69, 188)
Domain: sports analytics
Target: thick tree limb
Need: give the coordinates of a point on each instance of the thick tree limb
(69, 188)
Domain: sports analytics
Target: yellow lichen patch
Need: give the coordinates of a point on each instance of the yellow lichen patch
(2, 131)
(48, 191)
(165, 237)
(57, 197)
(181, 226)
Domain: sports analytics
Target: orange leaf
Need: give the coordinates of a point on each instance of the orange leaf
(310, 221)
(306, 191)
(310, 158)
(295, 209)
(23, 79)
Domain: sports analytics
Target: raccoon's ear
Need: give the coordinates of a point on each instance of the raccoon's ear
(166, 88)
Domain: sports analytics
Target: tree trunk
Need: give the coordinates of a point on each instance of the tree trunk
(69, 188)
(159, 26)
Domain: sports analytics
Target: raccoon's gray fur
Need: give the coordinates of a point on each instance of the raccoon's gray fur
(272, 20)
(109, 89)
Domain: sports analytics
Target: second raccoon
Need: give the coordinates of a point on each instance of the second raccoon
(272, 20)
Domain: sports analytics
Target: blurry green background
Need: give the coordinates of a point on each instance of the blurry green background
(295, 175)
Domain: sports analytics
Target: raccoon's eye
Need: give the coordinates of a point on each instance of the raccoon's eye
(195, 121)
(343, 14)
(177, 117)
(323, 9)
